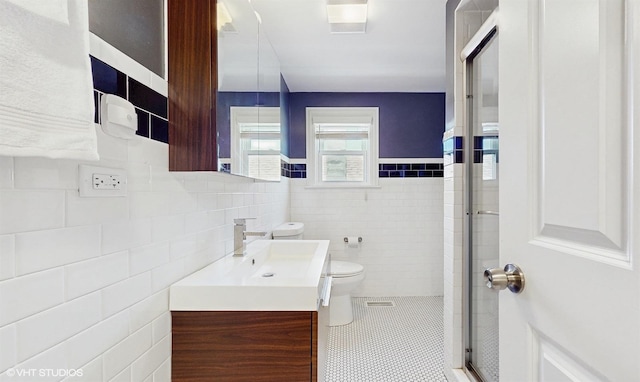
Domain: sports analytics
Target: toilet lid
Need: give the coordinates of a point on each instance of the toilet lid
(345, 269)
(288, 229)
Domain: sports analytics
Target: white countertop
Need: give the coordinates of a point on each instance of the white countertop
(237, 283)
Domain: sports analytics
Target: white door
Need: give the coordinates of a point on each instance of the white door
(570, 189)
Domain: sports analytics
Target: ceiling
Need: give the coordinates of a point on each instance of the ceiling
(403, 49)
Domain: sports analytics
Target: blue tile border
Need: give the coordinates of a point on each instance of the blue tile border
(385, 170)
(486, 144)
(454, 148)
(159, 129)
(147, 98)
(96, 104)
(293, 170)
(107, 79)
(143, 123)
(410, 170)
(151, 106)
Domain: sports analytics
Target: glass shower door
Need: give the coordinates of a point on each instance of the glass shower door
(483, 181)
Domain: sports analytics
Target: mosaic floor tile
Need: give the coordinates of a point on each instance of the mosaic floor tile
(401, 343)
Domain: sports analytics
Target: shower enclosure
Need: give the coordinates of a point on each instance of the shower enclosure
(482, 161)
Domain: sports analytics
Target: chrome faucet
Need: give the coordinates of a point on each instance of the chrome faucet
(240, 235)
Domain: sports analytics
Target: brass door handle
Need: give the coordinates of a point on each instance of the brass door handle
(511, 277)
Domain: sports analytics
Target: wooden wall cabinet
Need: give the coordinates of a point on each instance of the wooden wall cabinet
(249, 346)
(192, 77)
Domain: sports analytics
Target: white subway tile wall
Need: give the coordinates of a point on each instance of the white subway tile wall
(31, 210)
(84, 281)
(8, 356)
(24, 296)
(400, 224)
(453, 259)
(7, 256)
(6, 172)
(126, 352)
(40, 250)
(35, 332)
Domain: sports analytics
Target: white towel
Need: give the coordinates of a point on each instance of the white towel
(46, 88)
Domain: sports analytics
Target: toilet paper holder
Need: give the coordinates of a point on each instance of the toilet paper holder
(346, 239)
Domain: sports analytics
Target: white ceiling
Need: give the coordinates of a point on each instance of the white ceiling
(403, 49)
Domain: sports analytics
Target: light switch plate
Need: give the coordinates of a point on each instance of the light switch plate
(102, 181)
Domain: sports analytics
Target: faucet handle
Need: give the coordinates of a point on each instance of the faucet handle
(242, 221)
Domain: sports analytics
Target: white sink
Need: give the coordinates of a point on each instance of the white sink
(273, 275)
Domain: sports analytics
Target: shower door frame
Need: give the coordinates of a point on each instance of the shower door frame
(487, 32)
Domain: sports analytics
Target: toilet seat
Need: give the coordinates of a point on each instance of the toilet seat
(341, 269)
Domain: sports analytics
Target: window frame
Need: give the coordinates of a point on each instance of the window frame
(249, 114)
(359, 115)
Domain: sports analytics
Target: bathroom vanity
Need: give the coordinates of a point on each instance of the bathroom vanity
(247, 346)
(258, 317)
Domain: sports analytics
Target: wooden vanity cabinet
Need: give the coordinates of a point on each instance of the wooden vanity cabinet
(248, 346)
(192, 78)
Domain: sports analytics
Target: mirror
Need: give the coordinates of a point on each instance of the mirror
(248, 100)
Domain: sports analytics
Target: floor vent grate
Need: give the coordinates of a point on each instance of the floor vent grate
(377, 304)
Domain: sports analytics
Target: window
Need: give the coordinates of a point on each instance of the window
(342, 146)
(490, 149)
(255, 142)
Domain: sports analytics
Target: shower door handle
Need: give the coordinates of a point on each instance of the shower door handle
(496, 213)
(511, 277)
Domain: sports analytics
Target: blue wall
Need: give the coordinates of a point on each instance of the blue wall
(284, 117)
(411, 124)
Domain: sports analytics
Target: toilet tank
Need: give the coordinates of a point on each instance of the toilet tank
(289, 231)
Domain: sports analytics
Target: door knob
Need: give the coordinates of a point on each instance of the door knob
(511, 277)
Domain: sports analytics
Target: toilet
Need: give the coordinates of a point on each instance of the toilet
(289, 231)
(346, 276)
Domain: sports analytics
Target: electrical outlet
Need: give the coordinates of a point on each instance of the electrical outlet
(102, 181)
(106, 182)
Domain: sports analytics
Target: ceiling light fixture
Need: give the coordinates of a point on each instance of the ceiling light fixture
(347, 16)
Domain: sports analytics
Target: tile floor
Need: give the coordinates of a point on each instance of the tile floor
(487, 358)
(402, 343)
